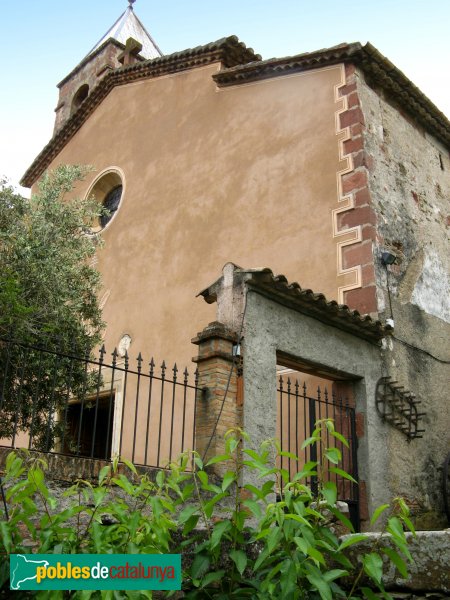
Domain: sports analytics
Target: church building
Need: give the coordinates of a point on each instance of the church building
(329, 167)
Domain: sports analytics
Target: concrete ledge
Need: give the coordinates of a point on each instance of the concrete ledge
(430, 570)
(68, 469)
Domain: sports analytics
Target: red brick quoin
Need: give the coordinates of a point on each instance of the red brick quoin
(357, 183)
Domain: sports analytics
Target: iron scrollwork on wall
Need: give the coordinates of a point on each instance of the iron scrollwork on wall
(398, 407)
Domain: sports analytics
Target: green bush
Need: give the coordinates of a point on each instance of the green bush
(273, 540)
(49, 297)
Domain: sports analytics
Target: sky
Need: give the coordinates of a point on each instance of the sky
(41, 41)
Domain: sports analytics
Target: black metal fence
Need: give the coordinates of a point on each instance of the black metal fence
(55, 401)
(97, 407)
(298, 413)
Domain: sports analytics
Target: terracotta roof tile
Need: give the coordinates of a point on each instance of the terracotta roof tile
(229, 50)
(306, 301)
(379, 71)
(243, 65)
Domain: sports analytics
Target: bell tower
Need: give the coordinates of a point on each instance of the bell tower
(127, 41)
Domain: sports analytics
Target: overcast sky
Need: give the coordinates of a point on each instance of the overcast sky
(42, 40)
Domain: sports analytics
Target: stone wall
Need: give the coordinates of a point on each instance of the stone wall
(409, 190)
(428, 571)
(88, 72)
(273, 325)
(272, 328)
(68, 469)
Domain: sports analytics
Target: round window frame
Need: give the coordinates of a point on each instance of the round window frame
(102, 185)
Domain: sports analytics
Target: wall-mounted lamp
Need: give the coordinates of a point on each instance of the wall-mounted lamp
(388, 258)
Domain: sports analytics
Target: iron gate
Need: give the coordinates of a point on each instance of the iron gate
(298, 412)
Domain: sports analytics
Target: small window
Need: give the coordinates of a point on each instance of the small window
(89, 427)
(79, 98)
(111, 203)
(108, 190)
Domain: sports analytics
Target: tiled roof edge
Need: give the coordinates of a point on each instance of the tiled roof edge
(377, 68)
(315, 305)
(384, 73)
(274, 67)
(228, 50)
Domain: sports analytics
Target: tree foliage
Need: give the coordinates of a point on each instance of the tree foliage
(47, 283)
(48, 294)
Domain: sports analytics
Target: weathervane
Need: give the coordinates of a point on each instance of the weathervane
(131, 2)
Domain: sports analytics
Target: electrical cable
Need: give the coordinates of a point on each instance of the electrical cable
(389, 292)
(227, 387)
(235, 358)
(446, 362)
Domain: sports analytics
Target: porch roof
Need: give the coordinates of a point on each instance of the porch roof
(313, 304)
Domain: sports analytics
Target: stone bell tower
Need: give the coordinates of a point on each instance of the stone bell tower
(127, 41)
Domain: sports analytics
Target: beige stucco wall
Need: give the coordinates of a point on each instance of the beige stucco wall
(244, 174)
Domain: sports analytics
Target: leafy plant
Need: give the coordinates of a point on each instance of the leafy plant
(278, 535)
(48, 296)
(272, 540)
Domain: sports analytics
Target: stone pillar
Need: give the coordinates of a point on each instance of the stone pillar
(215, 362)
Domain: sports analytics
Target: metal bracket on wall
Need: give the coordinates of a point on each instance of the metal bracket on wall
(397, 406)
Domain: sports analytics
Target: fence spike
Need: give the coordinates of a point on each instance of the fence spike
(163, 369)
(90, 396)
(114, 355)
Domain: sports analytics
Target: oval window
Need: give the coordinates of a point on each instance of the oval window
(108, 190)
(111, 203)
